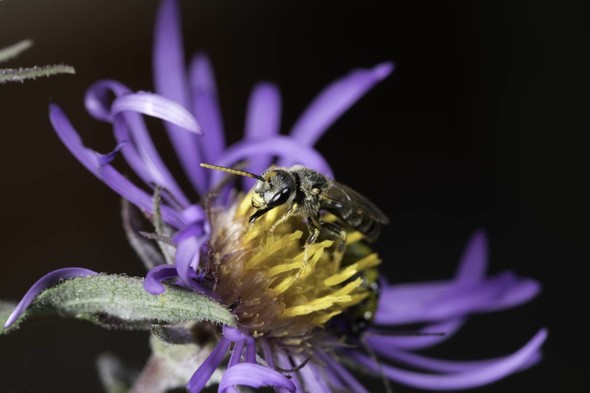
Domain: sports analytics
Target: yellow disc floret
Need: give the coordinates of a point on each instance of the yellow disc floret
(278, 286)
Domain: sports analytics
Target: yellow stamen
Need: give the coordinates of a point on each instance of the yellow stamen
(281, 287)
(349, 271)
(322, 303)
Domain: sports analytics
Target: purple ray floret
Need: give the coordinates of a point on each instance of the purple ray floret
(48, 280)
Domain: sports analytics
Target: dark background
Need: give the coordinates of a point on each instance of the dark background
(480, 126)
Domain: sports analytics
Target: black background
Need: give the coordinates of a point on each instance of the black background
(480, 126)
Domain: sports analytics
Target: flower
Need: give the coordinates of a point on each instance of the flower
(307, 315)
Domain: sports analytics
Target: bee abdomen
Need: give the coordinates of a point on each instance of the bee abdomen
(355, 219)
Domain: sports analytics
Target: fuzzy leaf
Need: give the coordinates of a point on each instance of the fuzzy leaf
(120, 302)
(5, 311)
(23, 73)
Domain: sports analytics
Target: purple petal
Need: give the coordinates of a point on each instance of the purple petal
(464, 380)
(514, 295)
(313, 377)
(501, 291)
(474, 261)
(48, 280)
(440, 365)
(204, 372)
(250, 350)
(285, 364)
(234, 334)
(156, 106)
(149, 168)
(403, 301)
(255, 376)
(188, 252)
(343, 374)
(171, 81)
(393, 342)
(137, 196)
(278, 145)
(206, 106)
(90, 159)
(268, 354)
(130, 131)
(262, 121)
(156, 276)
(334, 100)
(98, 98)
(433, 304)
(193, 214)
(236, 354)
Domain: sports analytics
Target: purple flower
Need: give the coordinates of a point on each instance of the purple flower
(304, 322)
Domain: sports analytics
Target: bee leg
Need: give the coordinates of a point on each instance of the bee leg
(281, 220)
(341, 242)
(314, 232)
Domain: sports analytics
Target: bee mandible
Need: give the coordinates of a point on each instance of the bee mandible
(308, 193)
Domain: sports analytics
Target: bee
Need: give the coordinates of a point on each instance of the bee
(307, 193)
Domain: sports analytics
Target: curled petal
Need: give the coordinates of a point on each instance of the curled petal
(334, 100)
(263, 119)
(206, 370)
(171, 81)
(157, 106)
(486, 374)
(188, 252)
(130, 130)
(255, 376)
(280, 146)
(156, 276)
(43, 283)
(92, 161)
(99, 98)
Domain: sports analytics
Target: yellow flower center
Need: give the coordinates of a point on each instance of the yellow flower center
(276, 285)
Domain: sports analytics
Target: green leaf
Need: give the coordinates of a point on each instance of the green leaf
(13, 51)
(23, 73)
(120, 302)
(5, 311)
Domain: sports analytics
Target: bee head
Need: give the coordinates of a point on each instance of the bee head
(277, 188)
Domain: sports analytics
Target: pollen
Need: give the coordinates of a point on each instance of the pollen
(276, 285)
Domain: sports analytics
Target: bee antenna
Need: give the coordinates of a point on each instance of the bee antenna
(232, 171)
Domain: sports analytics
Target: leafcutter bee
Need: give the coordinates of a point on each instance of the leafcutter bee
(308, 193)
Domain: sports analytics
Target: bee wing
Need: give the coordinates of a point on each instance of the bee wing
(338, 193)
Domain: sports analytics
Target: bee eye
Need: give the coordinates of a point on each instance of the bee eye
(280, 197)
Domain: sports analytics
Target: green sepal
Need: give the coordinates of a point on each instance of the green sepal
(121, 302)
